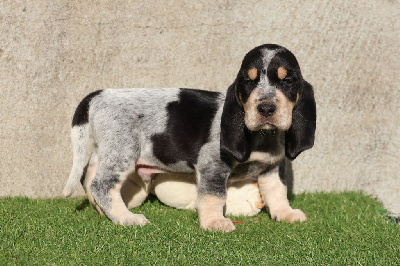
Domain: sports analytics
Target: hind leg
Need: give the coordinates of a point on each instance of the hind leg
(112, 172)
(106, 191)
(133, 191)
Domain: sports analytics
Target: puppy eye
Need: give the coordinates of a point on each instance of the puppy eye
(247, 81)
(287, 81)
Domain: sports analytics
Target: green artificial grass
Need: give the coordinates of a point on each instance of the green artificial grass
(346, 229)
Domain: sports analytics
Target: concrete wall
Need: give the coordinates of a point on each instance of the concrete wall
(52, 53)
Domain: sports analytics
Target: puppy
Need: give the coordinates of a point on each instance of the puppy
(268, 113)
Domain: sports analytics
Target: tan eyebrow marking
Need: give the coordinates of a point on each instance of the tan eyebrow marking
(282, 72)
(252, 73)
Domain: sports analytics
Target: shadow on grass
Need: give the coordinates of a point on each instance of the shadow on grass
(83, 205)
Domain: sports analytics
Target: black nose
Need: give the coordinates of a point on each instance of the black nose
(266, 109)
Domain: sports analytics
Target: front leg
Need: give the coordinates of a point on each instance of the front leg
(212, 199)
(274, 195)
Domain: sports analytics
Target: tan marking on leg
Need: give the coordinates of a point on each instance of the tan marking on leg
(274, 194)
(117, 205)
(252, 73)
(260, 203)
(120, 213)
(210, 211)
(282, 72)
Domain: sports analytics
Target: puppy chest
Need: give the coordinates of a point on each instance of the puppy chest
(266, 158)
(268, 147)
(250, 170)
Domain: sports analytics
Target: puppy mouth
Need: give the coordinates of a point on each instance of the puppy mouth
(268, 126)
(265, 125)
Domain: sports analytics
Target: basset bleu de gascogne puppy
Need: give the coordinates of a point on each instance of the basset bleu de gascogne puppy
(268, 113)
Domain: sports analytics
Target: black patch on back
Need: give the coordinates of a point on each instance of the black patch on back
(188, 127)
(81, 115)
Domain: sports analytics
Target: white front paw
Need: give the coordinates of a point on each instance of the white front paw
(289, 215)
(222, 224)
(133, 219)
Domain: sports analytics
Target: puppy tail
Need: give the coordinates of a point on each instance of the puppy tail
(80, 139)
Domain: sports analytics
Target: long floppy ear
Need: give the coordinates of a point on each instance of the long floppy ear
(301, 134)
(235, 137)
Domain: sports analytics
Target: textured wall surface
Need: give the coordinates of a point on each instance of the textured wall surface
(52, 53)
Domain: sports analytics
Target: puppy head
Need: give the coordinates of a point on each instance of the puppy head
(270, 93)
(268, 87)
